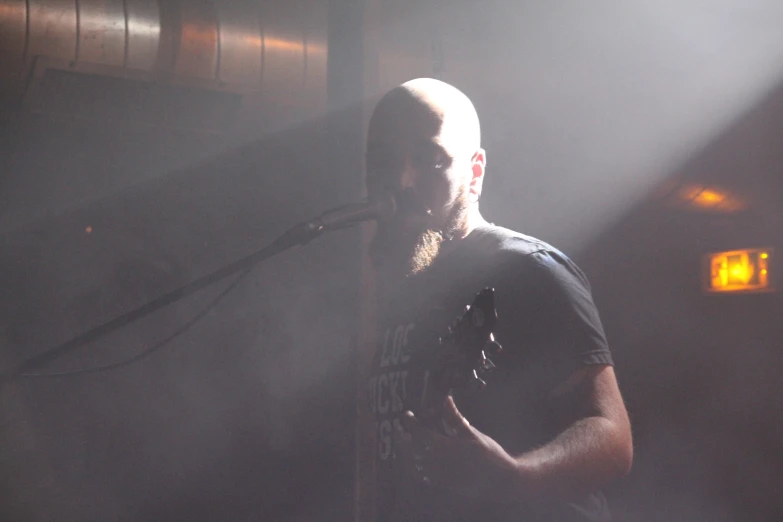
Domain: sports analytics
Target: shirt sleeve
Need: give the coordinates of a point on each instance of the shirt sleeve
(548, 313)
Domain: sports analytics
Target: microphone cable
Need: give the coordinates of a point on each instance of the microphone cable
(152, 349)
(300, 234)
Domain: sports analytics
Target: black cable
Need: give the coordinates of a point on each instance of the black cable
(300, 234)
(297, 235)
(151, 350)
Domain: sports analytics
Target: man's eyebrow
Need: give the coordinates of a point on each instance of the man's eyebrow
(432, 145)
(422, 145)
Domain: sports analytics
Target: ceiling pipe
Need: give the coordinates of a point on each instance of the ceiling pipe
(277, 49)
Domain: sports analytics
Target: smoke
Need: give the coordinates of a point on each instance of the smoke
(586, 108)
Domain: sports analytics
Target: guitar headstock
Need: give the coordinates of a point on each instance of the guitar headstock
(462, 355)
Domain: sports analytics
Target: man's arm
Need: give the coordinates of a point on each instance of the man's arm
(594, 446)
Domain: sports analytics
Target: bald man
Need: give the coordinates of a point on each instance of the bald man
(550, 429)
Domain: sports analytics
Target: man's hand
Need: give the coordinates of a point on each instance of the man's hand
(466, 461)
(593, 447)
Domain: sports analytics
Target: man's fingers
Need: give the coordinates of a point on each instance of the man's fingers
(409, 421)
(406, 418)
(422, 436)
(453, 421)
(400, 433)
(413, 455)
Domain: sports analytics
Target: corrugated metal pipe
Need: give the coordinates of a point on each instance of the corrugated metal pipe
(275, 48)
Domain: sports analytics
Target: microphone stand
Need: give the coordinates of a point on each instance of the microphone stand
(299, 234)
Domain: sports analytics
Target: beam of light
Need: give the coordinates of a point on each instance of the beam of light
(589, 108)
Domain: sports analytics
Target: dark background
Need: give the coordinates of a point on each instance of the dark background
(590, 126)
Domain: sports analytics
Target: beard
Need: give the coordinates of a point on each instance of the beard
(406, 251)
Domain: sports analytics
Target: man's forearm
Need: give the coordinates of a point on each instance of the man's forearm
(590, 453)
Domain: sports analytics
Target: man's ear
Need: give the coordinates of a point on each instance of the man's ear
(478, 165)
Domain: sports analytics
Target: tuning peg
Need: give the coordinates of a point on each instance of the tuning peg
(486, 364)
(493, 347)
(476, 383)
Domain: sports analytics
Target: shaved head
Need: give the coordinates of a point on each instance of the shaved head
(435, 105)
(460, 126)
(424, 142)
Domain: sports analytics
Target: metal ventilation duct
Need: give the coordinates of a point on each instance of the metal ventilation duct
(273, 48)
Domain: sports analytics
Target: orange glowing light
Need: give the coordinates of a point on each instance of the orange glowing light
(738, 271)
(711, 199)
(88, 229)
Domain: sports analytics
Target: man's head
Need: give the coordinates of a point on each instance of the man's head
(424, 143)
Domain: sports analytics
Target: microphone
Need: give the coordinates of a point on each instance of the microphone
(381, 208)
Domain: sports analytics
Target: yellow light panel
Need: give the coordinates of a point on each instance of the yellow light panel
(739, 271)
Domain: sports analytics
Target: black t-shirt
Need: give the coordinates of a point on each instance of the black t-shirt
(548, 327)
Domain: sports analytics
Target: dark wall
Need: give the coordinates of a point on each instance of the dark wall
(252, 408)
(236, 413)
(701, 373)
